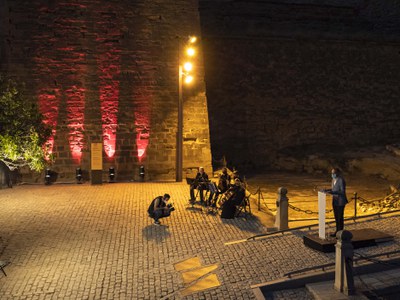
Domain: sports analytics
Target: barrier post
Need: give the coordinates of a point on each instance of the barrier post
(282, 214)
(355, 205)
(344, 280)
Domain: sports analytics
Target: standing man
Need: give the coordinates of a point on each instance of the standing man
(339, 198)
(200, 183)
(159, 208)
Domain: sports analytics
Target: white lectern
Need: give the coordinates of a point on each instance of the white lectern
(321, 214)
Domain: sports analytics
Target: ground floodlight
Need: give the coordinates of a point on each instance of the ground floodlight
(141, 172)
(111, 174)
(47, 177)
(78, 175)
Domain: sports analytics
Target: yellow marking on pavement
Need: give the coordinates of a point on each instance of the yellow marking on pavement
(235, 242)
(193, 275)
(188, 264)
(203, 284)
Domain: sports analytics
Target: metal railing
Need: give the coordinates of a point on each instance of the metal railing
(361, 257)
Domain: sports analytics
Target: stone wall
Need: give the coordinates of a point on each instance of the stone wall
(107, 71)
(294, 77)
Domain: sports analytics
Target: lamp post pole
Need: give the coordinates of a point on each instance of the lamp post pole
(187, 66)
(179, 138)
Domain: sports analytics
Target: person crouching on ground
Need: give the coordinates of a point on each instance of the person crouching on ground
(159, 208)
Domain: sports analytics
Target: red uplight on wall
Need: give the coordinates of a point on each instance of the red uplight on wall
(109, 68)
(142, 141)
(142, 132)
(75, 119)
(109, 96)
(60, 64)
(109, 139)
(49, 105)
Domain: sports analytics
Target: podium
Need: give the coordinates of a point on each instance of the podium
(361, 237)
(321, 215)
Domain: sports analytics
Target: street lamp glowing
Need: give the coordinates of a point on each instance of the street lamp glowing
(188, 66)
(185, 77)
(188, 79)
(190, 51)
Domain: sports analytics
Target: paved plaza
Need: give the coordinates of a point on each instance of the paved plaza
(69, 241)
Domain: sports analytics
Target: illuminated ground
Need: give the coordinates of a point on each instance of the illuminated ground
(96, 242)
(302, 193)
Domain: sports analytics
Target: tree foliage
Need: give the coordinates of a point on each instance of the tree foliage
(23, 133)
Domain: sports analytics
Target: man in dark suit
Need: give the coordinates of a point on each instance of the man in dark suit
(200, 183)
(339, 198)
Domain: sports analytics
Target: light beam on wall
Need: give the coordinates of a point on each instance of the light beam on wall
(142, 141)
(109, 67)
(142, 125)
(75, 118)
(61, 63)
(109, 95)
(49, 101)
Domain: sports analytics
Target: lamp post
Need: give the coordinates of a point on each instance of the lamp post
(183, 71)
(179, 138)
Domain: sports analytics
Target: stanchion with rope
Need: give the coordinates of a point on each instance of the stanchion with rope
(355, 205)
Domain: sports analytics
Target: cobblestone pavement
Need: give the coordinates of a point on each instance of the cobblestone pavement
(97, 242)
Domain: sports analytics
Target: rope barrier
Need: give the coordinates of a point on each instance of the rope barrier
(260, 195)
(388, 202)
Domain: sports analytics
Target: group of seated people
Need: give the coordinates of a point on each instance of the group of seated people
(230, 192)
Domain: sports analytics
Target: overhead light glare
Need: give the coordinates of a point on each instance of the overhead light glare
(190, 51)
(188, 79)
(188, 66)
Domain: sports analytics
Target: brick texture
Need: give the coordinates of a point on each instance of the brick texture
(107, 71)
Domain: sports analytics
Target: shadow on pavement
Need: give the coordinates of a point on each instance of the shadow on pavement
(250, 223)
(156, 233)
(195, 209)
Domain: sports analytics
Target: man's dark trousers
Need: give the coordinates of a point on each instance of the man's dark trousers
(338, 211)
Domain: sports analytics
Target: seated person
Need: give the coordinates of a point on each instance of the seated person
(200, 183)
(237, 194)
(224, 181)
(223, 185)
(237, 175)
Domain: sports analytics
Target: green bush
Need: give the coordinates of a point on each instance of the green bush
(22, 132)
